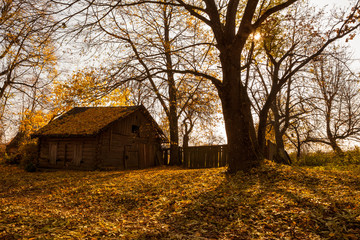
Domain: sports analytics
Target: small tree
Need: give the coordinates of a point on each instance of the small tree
(336, 99)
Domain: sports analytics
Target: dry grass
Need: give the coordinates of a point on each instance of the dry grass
(271, 202)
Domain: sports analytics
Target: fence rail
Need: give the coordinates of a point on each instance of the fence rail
(204, 156)
(217, 156)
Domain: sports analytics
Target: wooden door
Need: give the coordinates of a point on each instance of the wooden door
(131, 157)
(53, 152)
(77, 154)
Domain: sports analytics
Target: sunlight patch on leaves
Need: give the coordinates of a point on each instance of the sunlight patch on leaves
(272, 201)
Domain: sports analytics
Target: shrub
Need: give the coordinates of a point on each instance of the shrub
(2, 151)
(12, 158)
(330, 160)
(28, 152)
(30, 167)
(351, 157)
(314, 159)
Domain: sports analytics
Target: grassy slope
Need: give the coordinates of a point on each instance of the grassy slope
(273, 202)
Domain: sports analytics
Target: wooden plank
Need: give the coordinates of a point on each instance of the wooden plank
(198, 158)
(53, 152)
(213, 156)
(77, 154)
(215, 151)
(202, 158)
(205, 156)
(193, 158)
(206, 159)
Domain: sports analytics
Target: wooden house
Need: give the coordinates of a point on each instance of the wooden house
(101, 137)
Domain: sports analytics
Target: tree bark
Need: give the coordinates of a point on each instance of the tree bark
(263, 117)
(174, 137)
(279, 133)
(173, 114)
(336, 147)
(237, 115)
(242, 154)
(187, 131)
(330, 136)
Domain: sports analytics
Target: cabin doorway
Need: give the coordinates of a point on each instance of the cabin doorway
(53, 152)
(131, 157)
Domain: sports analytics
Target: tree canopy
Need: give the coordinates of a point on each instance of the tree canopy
(187, 58)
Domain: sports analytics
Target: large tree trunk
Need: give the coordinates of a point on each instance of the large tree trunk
(174, 136)
(242, 150)
(173, 114)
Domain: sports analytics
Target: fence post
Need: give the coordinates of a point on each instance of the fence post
(204, 156)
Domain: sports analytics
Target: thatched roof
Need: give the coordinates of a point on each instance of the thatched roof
(89, 121)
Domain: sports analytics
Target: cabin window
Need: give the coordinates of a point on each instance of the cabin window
(135, 129)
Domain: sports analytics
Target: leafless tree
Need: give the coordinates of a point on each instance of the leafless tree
(289, 43)
(336, 104)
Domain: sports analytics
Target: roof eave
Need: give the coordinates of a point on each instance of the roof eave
(63, 135)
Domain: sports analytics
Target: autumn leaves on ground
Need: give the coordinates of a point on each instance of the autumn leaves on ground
(271, 202)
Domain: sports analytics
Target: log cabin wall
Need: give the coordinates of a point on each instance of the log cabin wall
(132, 141)
(71, 153)
(129, 143)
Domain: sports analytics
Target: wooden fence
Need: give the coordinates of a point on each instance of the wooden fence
(216, 156)
(204, 156)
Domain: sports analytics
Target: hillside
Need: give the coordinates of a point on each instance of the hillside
(273, 202)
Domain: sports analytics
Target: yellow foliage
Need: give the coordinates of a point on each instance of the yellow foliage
(87, 88)
(271, 202)
(32, 121)
(84, 89)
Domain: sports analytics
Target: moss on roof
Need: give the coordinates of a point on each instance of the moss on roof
(82, 121)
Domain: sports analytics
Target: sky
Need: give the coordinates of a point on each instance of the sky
(355, 43)
(330, 4)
